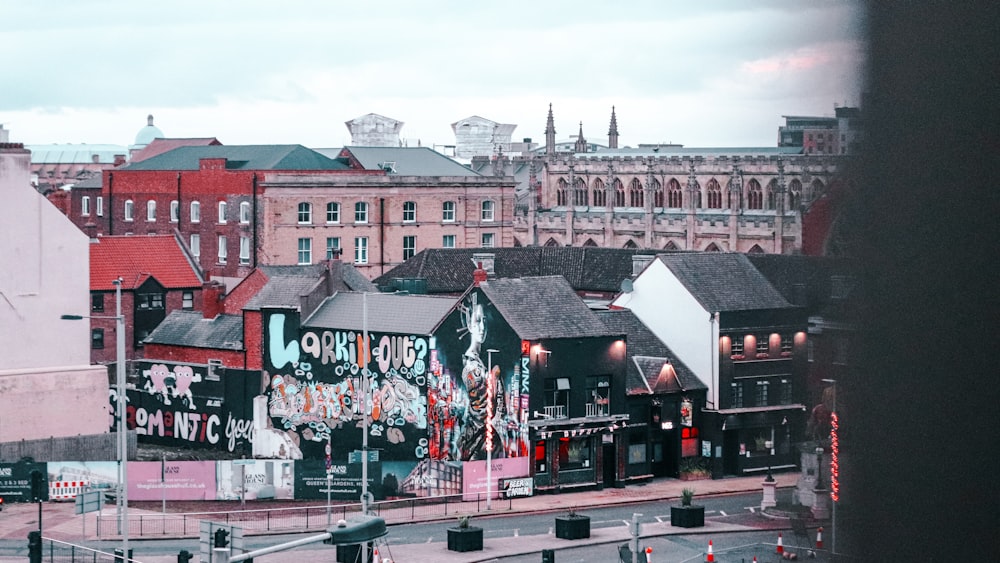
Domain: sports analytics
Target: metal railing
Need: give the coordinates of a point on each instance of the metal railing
(55, 551)
(597, 409)
(303, 518)
(557, 411)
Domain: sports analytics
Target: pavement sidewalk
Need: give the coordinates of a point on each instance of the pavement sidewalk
(61, 523)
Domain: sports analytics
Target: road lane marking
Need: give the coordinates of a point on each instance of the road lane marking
(723, 512)
(752, 511)
(659, 519)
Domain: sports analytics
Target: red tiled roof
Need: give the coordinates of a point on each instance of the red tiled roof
(160, 146)
(136, 258)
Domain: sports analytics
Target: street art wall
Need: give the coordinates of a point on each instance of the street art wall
(452, 396)
(181, 405)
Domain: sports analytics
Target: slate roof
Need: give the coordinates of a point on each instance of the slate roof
(805, 280)
(543, 307)
(648, 354)
(136, 258)
(408, 161)
(241, 157)
(724, 281)
(92, 181)
(387, 312)
(191, 329)
(449, 270)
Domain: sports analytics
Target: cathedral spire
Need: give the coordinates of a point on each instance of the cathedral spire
(581, 143)
(550, 134)
(613, 131)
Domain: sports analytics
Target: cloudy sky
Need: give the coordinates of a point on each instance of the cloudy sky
(717, 73)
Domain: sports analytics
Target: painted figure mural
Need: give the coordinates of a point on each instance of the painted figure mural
(482, 399)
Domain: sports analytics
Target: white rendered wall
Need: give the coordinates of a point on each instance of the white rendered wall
(664, 305)
(54, 402)
(44, 273)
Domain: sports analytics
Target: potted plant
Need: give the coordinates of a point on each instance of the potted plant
(573, 526)
(465, 537)
(694, 468)
(687, 515)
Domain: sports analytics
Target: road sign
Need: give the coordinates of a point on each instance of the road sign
(88, 501)
(355, 456)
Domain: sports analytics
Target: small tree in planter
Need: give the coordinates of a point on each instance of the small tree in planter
(687, 515)
(694, 468)
(465, 537)
(573, 526)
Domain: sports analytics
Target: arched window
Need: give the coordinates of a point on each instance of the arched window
(657, 193)
(675, 197)
(755, 197)
(600, 198)
(755, 249)
(561, 192)
(305, 213)
(619, 193)
(713, 248)
(590, 242)
(670, 245)
(631, 244)
(551, 242)
(816, 191)
(635, 198)
(772, 195)
(794, 194)
(714, 191)
(579, 193)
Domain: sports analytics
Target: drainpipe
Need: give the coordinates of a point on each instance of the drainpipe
(381, 234)
(111, 203)
(180, 202)
(253, 241)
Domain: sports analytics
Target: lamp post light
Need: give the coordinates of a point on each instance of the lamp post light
(122, 438)
(490, 398)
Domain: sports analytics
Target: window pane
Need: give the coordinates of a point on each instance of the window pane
(196, 245)
(195, 212)
(448, 211)
(128, 210)
(85, 205)
(305, 251)
(333, 212)
(487, 210)
(409, 211)
(448, 241)
(100, 206)
(223, 253)
(360, 212)
(245, 212)
(244, 250)
(305, 213)
(332, 247)
(487, 240)
(409, 247)
(175, 211)
(151, 210)
(361, 250)
(222, 212)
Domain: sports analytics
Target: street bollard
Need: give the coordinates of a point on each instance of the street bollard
(548, 556)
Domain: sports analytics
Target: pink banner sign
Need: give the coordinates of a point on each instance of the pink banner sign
(474, 475)
(177, 480)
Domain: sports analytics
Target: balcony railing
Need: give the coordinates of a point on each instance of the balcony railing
(557, 411)
(597, 409)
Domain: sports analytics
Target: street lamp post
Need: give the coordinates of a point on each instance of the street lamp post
(122, 438)
(490, 398)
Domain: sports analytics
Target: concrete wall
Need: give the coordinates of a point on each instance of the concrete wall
(54, 402)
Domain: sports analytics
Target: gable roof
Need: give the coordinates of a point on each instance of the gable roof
(241, 157)
(406, 161)
(449, 270)
(192, 329)
(543, 307)
(136, 258)
(806, 280)
(724, 281)
(387, 312)
(160, 146)
(649, 354)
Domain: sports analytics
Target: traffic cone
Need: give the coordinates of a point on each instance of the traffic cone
(649, 555)
(710, 556)
(781, 548)
(819, 538)
(375, 557)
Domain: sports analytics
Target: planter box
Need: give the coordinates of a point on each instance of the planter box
(694, 476)
(573, 527)
(465, 539)
(687, 516)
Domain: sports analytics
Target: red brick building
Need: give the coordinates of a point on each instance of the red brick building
(158, 277)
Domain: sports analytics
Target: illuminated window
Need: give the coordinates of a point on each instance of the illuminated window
(574, 453)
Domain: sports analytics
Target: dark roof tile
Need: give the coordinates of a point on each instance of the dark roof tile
(543, 307)
(192, 329)
(724, 281)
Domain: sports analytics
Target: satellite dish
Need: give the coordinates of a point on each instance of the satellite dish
(626, 285)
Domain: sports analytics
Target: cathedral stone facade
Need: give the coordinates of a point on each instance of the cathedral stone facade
(668, 197)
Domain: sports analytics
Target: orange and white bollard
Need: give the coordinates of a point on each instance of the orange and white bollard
(710, 556)
(819, 538)
(649, 555)
(781, 548)
(375, 557)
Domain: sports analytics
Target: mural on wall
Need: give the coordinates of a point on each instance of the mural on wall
(317, 388)
(178, 405)
(485, 404)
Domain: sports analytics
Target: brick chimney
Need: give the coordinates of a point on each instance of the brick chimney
(478, 275)
(212, 293)
(119, 160)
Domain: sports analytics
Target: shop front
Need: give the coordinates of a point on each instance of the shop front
(755, 441)
(578, 453)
